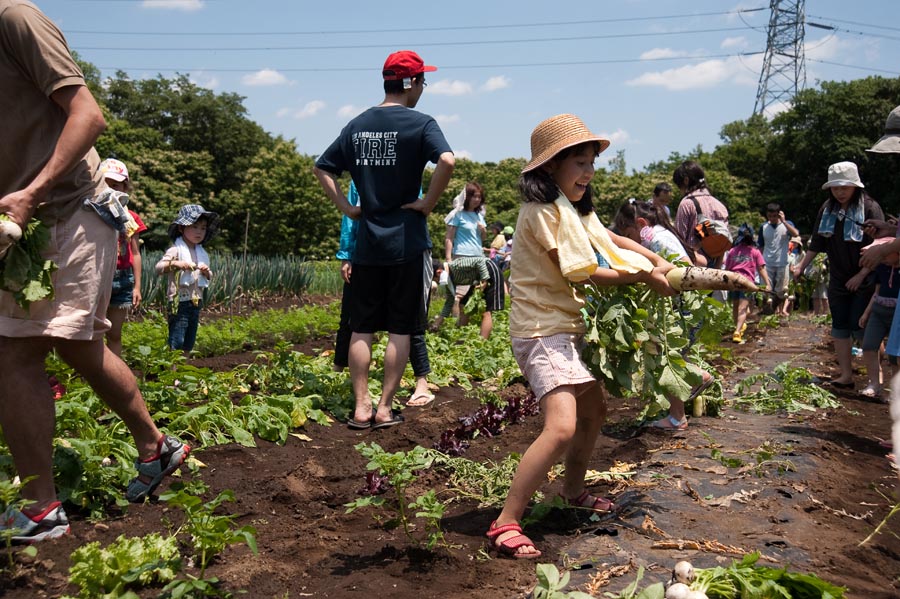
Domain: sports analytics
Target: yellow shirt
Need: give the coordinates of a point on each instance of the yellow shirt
(543, 303)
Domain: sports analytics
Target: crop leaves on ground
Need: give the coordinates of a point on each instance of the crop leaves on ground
(641, 344)
(786, 388)
(400, 470)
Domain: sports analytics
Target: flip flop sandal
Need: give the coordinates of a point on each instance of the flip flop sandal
(396, 418)
(360, 426)
(424, 399)
(511, 545)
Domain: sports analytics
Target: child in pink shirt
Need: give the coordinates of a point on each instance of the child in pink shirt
(745, 259)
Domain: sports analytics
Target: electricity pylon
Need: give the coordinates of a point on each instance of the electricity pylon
(783, 72)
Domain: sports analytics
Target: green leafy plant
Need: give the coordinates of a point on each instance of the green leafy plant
(194, 588)
(632, 591)
(400, 470)
(126, 563)
(23, 271)
(785, 388)
(209, 533)
(11, 500)
(550, 584)
(485, 482)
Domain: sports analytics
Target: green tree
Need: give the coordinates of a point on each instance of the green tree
(289, 213)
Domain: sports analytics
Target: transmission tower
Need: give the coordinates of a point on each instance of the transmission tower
(784, 66)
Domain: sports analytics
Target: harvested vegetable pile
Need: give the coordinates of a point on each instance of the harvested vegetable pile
(23, 271)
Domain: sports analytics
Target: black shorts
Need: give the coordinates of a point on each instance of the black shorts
(387, 298)
(494, 291)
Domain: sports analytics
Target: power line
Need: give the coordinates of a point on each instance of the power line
(852, 66)
(855, 23)
(418, 45)
(443, 67)
(409, 29)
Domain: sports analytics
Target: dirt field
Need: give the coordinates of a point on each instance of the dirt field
(810, 519)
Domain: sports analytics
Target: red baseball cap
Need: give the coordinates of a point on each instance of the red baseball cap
(404, 64)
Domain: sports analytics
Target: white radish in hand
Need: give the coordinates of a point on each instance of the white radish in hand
(679, 590)
(687, 278)
(696, 595)
(10, 233)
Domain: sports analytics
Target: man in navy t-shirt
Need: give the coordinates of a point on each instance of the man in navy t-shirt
(385, 150)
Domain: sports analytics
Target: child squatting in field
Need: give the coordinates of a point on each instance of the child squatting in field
(187, 266)
(557, 234)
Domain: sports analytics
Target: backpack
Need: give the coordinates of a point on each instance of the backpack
(715, 236)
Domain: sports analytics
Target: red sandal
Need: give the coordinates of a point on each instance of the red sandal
(601, 505)
(511, 545)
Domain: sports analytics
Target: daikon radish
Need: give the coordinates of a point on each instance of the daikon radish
(689, 278)
(10, 233)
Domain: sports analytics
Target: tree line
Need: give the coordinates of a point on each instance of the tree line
(187, 144)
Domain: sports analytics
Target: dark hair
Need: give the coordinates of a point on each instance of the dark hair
(537, 185)
(395, 86)
(471, 188)
(661, 188)
(630, 211)
(496, 226)
(859, 195)
(773, 207)
(689, 176)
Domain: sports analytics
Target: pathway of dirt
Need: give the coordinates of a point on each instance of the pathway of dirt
(310, 547)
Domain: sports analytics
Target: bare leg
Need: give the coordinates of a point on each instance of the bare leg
(487, 324)
(27, 415)
(360, 357)
(114, 383)
(116, 318)
(591, 410)
(872, 360)
(395, 356)
(844, 359)
(560, 425)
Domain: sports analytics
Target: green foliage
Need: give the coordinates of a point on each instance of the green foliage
(11, 501)
(746, 579)
(636, 342)
(486, 482)
(209, 533)
(550, 584)
(23, 270)
(401, 470)
(785, 388)
(125, 564)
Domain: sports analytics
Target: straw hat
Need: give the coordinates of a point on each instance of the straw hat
(843, 174)
(557, 133)
(890, 141)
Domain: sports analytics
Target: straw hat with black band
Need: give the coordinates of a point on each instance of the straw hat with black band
(556, 134)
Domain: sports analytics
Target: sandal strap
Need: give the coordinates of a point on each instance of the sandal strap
(513, 543)
(496, 531)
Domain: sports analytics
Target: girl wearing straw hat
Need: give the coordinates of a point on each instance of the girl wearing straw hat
(559, 240)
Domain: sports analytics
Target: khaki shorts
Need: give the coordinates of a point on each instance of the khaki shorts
(551, 362)
(84, 249)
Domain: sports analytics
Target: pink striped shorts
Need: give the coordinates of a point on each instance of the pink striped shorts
(551, 362)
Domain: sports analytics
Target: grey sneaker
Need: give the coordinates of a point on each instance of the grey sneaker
(49, 524)
(170, 456)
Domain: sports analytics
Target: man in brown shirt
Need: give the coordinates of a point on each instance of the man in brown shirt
(48, 167)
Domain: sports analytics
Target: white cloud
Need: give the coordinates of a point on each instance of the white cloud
(657, 53)
(708, 73)
(185, 5)
(264, 77)
(734, 42)
(617, 137)
(449, 87)
(495, 83)
(311, 108)
(447, 119)
(348, 111)
(462, 154)
(205, 80)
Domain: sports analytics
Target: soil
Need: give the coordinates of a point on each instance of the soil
(680, 504)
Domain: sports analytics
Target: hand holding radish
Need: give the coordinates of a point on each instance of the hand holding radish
(204, 270)
(656, 280)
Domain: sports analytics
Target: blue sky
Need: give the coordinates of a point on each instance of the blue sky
(655, 76)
